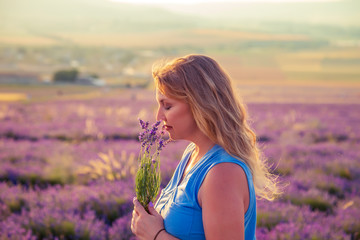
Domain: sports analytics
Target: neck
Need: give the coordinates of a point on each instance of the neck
(202, 145)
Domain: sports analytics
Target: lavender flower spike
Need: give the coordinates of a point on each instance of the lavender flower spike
(148, 178)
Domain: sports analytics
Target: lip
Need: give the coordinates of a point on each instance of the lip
(167, 127)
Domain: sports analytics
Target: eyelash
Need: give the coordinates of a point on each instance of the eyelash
(167, 107)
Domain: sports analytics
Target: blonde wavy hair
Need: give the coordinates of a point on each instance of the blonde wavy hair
(206, 87)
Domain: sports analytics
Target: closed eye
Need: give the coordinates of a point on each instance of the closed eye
(165, 104)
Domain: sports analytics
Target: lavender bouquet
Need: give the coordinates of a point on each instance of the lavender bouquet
(148, 178)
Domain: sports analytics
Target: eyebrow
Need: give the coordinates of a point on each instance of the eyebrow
(162, 100)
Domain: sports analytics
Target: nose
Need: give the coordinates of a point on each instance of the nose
(160, 115)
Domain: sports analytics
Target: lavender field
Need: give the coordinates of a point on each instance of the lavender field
(67, 167)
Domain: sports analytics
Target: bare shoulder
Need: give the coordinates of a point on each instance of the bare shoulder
(227, 170)
(226, 180)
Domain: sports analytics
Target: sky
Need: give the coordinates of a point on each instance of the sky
(207, 1)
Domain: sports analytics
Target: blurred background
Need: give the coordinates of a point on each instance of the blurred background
(75, 75)
(298, 51)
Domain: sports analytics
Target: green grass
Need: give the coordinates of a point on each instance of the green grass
(315, 203)
(269, 219)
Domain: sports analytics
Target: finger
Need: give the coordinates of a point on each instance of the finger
(133, 218)
(134, 213)
(138, 207)
(133, 229)
(132, 225)
(153, 211)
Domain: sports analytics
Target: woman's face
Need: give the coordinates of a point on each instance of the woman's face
(177, 117)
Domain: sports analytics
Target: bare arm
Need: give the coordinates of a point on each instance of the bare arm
(224, 198)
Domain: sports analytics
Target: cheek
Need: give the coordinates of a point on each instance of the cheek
(187, 121)
(181, 117)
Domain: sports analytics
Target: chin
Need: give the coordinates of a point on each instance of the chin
(173, 138)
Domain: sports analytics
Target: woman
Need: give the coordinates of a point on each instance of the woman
(212, 194)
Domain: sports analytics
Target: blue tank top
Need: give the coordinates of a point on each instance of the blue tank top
(178, 203)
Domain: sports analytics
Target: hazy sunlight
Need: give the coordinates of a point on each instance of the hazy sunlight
(208, 1)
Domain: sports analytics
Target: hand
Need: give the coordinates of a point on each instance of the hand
(145, 225)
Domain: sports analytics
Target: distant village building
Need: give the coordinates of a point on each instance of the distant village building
(132, 79)
(89, 80)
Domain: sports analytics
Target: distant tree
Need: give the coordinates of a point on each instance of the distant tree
(69, 76)
(94, 75)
